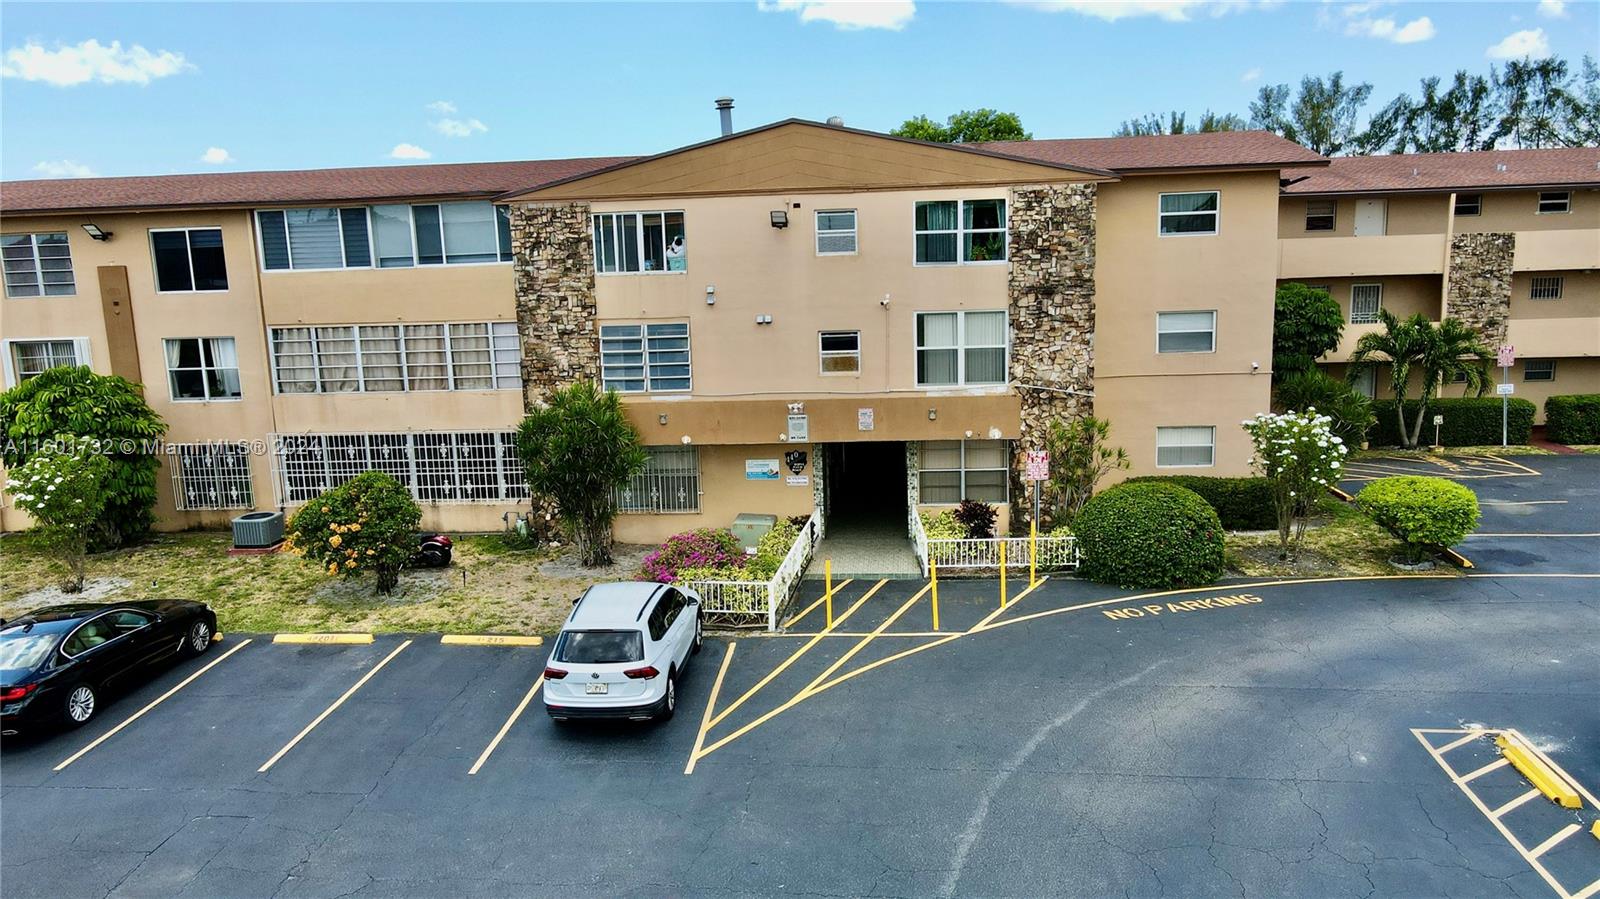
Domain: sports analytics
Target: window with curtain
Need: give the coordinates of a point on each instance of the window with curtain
(210, 475)
(948, 232)
(391, 236)
(314, 238)
(203, 368)
(1185, 447)
(639, 242)
(391, 358)
(645, 358)
(32, 357)
(956, 348)
(954, 470)
(1186, 332)
(1190, 213)
(189, 260)
(37, 265)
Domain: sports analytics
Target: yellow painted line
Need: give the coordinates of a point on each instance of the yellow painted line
(489, 640)
(1506, 809)
(1008, 606)
(330, 709)
(820, 600)
(794, 656)
(1495, 765)
(506, 727)
(1552, 785)
(1473, 735)
(1555, 839)
(1513, 462)
(862, 643)
(711, 704)
(854, 672)
(153, 703)
(339, 639)
(852, 634)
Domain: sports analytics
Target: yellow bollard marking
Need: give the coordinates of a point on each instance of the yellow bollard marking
(933, 568)
(827, 574)
(1033, 553)
(1002, 574)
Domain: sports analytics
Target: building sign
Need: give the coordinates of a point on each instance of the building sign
(795, 460)
(863, 419)
(798, 481)
(1505, 389)
(761, 469)
(799, 428)
(1506, 357)
(1038, 465)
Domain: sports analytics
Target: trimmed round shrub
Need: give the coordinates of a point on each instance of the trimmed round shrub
(368, 523)
(1421, 512)
(1149, 534)
(1243, 504)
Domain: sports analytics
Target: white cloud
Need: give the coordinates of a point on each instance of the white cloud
(64, 168)
(847, 15)
(1170, 10)
(1388, 29)
(442, 107)
(459, 127)
(216, 156)
(1554, 9)
(1250, 75)
(70, 64)
(1518, 44)
(409, 151)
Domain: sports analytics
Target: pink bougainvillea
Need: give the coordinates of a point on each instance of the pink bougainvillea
(703, 548)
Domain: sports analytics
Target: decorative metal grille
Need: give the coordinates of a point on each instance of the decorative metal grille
(436, 466)
(670, 482)
(210, 475)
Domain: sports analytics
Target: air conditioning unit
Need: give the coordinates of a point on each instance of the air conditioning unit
(258, 530)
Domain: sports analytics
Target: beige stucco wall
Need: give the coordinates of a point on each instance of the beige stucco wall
(725, 493)
(1407, 214)
(1518, 210)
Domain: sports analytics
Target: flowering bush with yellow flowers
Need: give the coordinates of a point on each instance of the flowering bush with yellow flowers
(368, 523)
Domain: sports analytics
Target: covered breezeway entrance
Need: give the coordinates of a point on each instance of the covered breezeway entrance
(864, 487)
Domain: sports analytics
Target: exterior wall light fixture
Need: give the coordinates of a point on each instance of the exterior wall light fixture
(95, 231)
(780, 218)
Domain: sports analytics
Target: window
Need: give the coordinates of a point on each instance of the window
(1192, 447)
(90, 634)
(639, 242)
(203, 368)
(1555, 201)
(599, 647)
(1319, 215)
(954, 470)
(948, 232)
(840, 351)
(389, 236)
(645, 358)
(435, 466)
(1365, 381)
(1469, 204)
(189, 260)
(127, 620)
(37, 265)
(836, 232)
(210, 475)
(1365, 301)
(961, 348)
(1186, 332)
(314, 238)
(1546, 288)
(670, 482)
(1539, 370)
(26, 358)
(387, 358)
(1195, 213)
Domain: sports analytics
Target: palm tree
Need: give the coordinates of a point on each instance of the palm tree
(1441, 352)
(1457, 349)
(1401, 344)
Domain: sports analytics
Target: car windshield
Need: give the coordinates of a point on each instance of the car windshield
(599, 647)
(22, 649)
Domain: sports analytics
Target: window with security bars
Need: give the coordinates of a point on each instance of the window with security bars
(836, 232)
(1546, 288)
(954, 470)
(37, 265)
(651, 358)
(387, 358)
(1365, 301)
(435, 466)
(1539, 370)
(210, 475)
(670, 482)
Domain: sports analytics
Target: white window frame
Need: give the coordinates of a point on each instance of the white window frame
(644, 350)
(80, 352)
(429, 464)
(38, 267)
(185, 459)
(1332, 215)
(1476, 204)
(497, 382)
(1550, 282)
(344, 251)
(1216, 214)
(1565, 201)
(824, 355)
(1213, 445)
(961, 231)
(639, 244)
(188, 246)
(961, 348)
(964, 470)
(1546, 371)
(650, 482)
(1212, 331)
(203, 370)
(1374, 319)
(853, 231)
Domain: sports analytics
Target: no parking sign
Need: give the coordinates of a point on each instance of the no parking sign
(1038, 465)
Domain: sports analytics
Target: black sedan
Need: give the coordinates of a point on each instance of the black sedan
(57, 663)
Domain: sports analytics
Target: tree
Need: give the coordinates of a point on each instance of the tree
(1300, 455)
(63, 487)
(1325, 112)
(77, 402)
(1439, 353)
(1456, 350)
(1306, 325)
(1177, 123)
(1079, 458)
(368, 523)
(1339, 400)
(1400, 343)
(578, 450)
(1533, 100)
(965, 127)
(1580, 119)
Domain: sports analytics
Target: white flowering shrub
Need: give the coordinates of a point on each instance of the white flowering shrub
(64, 489)
(1300, 455)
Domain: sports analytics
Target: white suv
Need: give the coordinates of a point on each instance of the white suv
(621, 652)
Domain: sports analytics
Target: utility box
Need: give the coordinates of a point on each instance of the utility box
(749, 528)
(258, 530)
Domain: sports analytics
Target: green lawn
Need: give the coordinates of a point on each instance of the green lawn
(1340, 542)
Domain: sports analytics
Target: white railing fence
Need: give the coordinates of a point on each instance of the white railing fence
(1052, 553)
(742, 601)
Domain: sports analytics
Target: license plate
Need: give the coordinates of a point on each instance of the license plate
(596, 688)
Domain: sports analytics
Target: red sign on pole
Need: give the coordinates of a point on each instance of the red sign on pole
(1038, 465)
(1507, 356)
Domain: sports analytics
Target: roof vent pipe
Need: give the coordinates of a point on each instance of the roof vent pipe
(725, 110)
(835, 121)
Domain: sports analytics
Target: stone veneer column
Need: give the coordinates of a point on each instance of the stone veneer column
(1051, 291)
(1479, 292)
(554, 268)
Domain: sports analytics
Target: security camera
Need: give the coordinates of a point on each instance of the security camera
(884, 302)
(1255, 367)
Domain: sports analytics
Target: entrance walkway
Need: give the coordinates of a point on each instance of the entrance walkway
(865, 547)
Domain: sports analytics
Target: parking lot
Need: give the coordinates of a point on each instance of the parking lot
(1310, 738)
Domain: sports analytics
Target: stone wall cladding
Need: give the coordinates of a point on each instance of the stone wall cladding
(1051, 287)
(554, 269)
(1480, 282)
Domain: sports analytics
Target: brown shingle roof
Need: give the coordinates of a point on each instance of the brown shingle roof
(392, 182)
(1218, 149)
(1450, 171)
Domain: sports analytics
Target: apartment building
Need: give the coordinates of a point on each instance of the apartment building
(800, 316)
(1506, 240)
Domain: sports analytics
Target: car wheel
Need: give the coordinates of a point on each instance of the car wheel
(198, 639)
(699, 633)
(80, 706)
(671, 703)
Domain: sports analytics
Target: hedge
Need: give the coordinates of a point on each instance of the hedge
(1149, 535)
(1573, 418)
(1421, 511)
(1243, 504)
(1468, 421)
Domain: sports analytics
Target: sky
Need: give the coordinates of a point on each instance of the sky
(145, 89)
